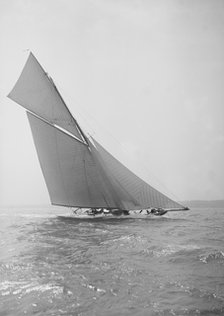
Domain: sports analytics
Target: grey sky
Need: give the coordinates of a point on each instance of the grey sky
(148, 74)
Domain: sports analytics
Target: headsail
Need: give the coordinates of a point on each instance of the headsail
(134, 192)
(36, 92)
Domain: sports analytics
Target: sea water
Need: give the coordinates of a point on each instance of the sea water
(52, 265)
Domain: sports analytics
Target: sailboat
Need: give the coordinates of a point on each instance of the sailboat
(79, 172)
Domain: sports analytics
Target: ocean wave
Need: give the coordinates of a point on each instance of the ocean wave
(130, 241)
(190, 312)
(131, 267)
(195, 292)
(213, 257)
(24, 287)
(167, 250)
(9, 267)
(144, 246)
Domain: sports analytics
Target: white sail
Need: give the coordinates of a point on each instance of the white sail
(36, 92)
(71, 174)
(133, 191)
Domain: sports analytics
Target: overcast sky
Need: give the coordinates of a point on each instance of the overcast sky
(146, 75)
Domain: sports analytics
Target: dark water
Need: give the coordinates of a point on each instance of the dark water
(172, 265)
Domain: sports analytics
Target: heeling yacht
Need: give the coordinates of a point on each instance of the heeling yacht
(78, 171)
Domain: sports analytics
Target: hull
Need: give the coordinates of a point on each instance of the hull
(132, 215)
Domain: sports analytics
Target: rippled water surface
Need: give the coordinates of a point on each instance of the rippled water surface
(49, 265)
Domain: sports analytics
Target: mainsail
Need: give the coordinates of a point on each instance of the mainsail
(78, 172)
(71, 174)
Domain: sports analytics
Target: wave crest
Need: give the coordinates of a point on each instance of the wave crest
(217, 256)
